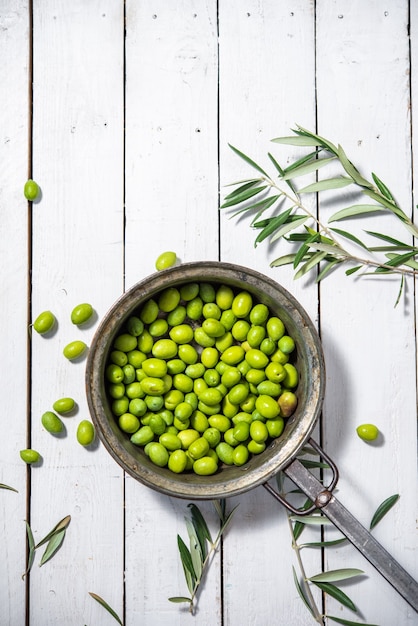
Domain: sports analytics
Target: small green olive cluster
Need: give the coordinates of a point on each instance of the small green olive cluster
(44, 325)
(200, 375)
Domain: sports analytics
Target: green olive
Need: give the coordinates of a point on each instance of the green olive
(177, 461)
(52, 423)
(242, 304)
(63, 405)
(367, 432)
(205, 466)
(44, 322)
(74, 349)
(30, 456)
(85, 433)
(165, 260)
(81, 313)
(31, 190)
(158, 454)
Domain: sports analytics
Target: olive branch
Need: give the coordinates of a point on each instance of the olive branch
(321, 247)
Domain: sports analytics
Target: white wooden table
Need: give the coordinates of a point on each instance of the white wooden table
(123, 111)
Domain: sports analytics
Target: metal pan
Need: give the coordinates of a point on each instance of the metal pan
(281, 454)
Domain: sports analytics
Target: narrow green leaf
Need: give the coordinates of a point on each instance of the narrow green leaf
(3, 486)
(180, 599)
(297, 140)
(106, 606)
(386, 203)
(248, 160)
(327, 184)
(411, 263)
(307, 168)
(52, 547)
(31, 553)
(243, 196)
(336, 574)
(352, 270)
(349, 236)
(185, 556)
(295, 222)
(327, 268)
(382, 188)
(389, 239)
(260, 206)
(200, 525)
(299, 526)
(397, 260)
(321, 140)
(281, 173)
(354, 210)
(239, 190)
(219, 508)
(62, 525)
(303, 250)
(301, 593)
(227, 521)
(333, 249)
(195, 550)
(287, 259)
(347, 622)
(311, 520)
(310, 264)
(383, 508)
(304, 159)
(351, 170)
(314, 464)
(401, 287)
(324, 544)
(272, 225)
(336, 593)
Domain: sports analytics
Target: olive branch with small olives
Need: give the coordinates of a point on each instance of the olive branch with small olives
(319, 247)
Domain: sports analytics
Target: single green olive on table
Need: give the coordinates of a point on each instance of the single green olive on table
(200, 375)
(29, 456)
(31, 190)
(44, 322)
(74, 349)
(52, 423)
(85, 433)
(64, 405)
(81, 313)
(165, 260)
(367, 432)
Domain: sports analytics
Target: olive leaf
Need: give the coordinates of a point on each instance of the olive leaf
(106, 606)
(301, 593)
(336, 574)
(3, 486)
(347, 622)
(53, 545)
(383, 509)
(338, 594)
(31, 551)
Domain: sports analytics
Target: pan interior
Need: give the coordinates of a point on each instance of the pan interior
(229, 480)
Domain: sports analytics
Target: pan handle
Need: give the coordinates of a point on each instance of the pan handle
(321, 498)
(371, 549)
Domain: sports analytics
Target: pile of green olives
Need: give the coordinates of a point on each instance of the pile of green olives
(201, 375)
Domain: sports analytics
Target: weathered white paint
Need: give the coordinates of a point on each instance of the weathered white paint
(125, 146)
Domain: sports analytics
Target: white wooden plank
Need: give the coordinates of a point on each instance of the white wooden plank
(369, 345)
(78, 257)
(267, 85)
(171, 204)
(14, 211)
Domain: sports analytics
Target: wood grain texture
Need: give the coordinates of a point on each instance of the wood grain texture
(134, 105)
(14, 338)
